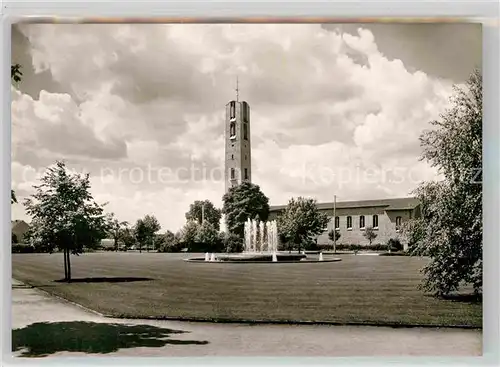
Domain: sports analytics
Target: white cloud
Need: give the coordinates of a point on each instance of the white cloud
(330, 114)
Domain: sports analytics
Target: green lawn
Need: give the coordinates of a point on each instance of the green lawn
(358, 289)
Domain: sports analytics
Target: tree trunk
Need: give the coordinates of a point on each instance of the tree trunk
(65, 265)
(69, 266)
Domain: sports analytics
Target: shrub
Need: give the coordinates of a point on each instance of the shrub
(394, 244)
(233, 243)
(19, 248)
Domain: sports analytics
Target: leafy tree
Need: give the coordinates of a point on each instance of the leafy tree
(205, 209)
(64, 214)
(232, 242)
(334, 236)
(115, 229)
(189, 232)
(208, 236)
(127, 236)
(242, 202)
(449, 230)
(370, 234)
(14, 238)
(169, 242)
(15, 73)
(301, 221)
(145, 230)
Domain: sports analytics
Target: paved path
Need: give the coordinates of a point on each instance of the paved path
(31, 305)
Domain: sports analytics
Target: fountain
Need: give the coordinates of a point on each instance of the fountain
(261, 246)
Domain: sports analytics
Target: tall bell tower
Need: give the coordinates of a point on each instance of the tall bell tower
(238, 165)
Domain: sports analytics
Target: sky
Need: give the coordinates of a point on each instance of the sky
(335, 109)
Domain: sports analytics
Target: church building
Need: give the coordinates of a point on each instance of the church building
(385, 216)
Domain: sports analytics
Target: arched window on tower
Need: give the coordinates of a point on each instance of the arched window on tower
(232, 173)
(232, 130)
(232, 110)
(246, 174)
(245, 131)
(246, 112)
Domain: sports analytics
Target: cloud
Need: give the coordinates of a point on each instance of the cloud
(143, 112)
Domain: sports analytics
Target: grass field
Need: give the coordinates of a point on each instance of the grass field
(358, 289)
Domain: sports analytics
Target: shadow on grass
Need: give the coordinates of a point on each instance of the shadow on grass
(464, 298)
(105, 280)
(42, 339)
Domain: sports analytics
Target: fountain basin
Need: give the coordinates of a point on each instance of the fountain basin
(281, 258)
(261, 257)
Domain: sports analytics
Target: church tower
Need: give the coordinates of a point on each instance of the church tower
(238, 165)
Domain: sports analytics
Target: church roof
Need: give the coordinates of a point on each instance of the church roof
(387, 204)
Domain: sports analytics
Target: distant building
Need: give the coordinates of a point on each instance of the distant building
(352, 217)
(19, 229)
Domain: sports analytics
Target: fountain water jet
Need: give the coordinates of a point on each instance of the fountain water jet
(261, 237)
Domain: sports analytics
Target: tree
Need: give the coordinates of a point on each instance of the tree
(145, 230)
(15, 73)
(242, 202)
(208, 236)
(449, 230)
(334, 236)
(13, 198)
(206, 210)
(232, 242)
(115, 229)
(301, 221)
(169, 242)
(64, 214)
(189, 232)
(127, 236)
(370, 234)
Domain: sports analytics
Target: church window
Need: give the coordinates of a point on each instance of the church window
(246, 174)
(232, 173)
(362, 222)
(349, 222)
(337, 223)
(232, 157)
(375, 221)
(398, 223)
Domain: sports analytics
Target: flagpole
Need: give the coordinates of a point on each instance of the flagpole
(334, 224)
